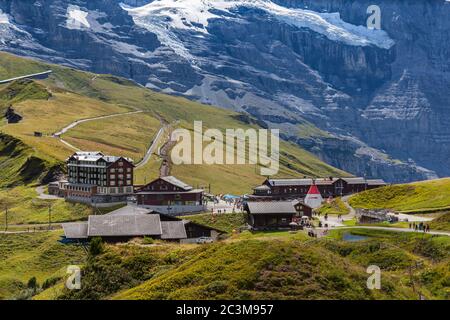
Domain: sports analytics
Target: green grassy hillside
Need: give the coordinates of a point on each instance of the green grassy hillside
(442, 222)
(68, 95)
(285, 266)
(21, 167)
(225, 222)
(247, 266)
(336, 206)
(424, 196)
(33, 255)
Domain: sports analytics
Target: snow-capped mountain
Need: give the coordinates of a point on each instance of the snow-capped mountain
(372, 102)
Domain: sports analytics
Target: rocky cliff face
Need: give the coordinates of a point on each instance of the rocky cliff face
(372, 102)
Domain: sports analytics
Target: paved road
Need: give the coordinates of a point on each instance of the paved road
(148, 153)
(58, 134)
(41, 195)
(223, 206)
(151, 149)
(34, 75)
(28, 231)
(77, 122)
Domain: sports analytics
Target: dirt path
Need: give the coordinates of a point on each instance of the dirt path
(333, 221)
(164, 153)
(352, 212)
(440, 233)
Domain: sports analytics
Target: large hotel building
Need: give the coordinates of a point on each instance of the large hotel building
(97, 178)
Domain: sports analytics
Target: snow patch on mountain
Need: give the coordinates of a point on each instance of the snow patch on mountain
(4, 18)
(165, 16)
(77, 18)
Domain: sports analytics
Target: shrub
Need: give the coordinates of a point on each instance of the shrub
(96, 246)
(148, 240)
(50, 282)
(32, 283)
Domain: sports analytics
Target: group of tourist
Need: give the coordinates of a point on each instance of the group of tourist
(420, 226)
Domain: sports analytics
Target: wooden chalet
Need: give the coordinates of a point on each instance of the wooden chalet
(269, 215)
(170, 195)
(130, 222)
(285, 189)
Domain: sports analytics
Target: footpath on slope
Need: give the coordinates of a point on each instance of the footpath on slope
(334, 222)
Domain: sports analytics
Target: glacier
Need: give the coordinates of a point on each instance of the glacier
(163, 15)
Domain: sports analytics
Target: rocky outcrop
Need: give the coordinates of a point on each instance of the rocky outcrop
(12, 116)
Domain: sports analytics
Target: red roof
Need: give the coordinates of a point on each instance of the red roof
(313, 190)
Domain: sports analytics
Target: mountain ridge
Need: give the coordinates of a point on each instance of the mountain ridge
(381, 115)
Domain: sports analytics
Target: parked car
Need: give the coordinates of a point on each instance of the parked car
(204, 240)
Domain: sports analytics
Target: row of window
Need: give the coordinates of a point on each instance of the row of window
(78, 188)
(120, 183)
(120, 170)
(120, 176)
(115, 190)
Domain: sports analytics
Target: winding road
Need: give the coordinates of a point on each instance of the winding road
(333, 221)
(151, 149)
(77, 122)
(148, 153)
(42, 195)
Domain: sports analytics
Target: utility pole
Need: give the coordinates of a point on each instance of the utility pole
(49, 217)
(6, 218)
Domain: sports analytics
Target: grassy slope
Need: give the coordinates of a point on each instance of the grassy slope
(336, 206)
(277, 265)
(395, 252)
(425, 196)
(20, 169)
(33, 255)
(131, 135)
(284, 267)
(78, 94)
(226, 222)
(292, 269)
(442, 222)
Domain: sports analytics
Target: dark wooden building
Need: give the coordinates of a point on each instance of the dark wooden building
(268, 215)
(170, 195)
(285, 189)
(196, 230)
(131, 222)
